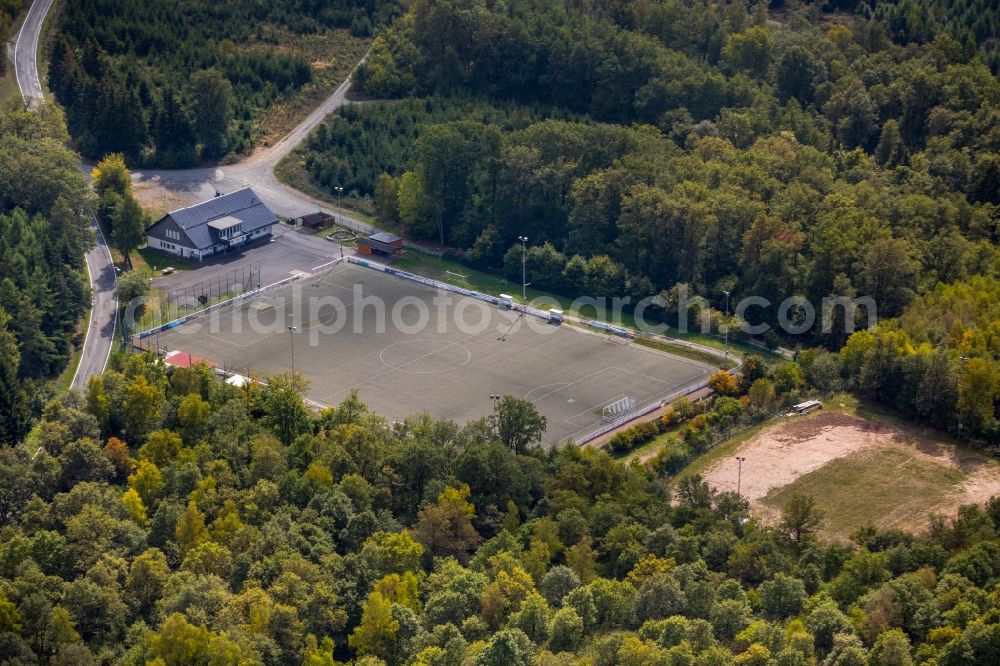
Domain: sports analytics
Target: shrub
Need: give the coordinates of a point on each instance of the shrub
(672, 458)
(634, 436)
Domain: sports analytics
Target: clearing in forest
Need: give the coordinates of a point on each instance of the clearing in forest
(860, 471)
(408, 348)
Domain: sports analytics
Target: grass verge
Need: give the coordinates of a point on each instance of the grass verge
(147, 258)
(648, 450)
(721, 451)
(8, 85)
(64, 381)
(686, 352)
(854, 489)
(449, 270)
(9, 89)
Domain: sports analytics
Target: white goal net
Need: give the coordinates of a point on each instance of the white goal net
(619, 408)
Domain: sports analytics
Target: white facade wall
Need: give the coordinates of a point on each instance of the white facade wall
(193, 253)
(173, 248)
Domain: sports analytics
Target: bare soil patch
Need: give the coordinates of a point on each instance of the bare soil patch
(858, 470)
(784, 452)
(156, 199)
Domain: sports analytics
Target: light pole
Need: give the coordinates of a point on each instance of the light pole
(739, 473)
(291, 338)
(340, 197)
(964, 360)
(524, 267)
(495, 399)
(727, 323)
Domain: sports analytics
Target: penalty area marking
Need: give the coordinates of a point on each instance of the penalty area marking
(561, 385)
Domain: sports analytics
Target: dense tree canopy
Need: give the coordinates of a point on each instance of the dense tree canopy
(9, 10)
(827, 161)
(166, 517)
(168, 82)
(43, 236)
(825, 150)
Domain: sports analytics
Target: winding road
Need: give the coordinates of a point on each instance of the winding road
(194, 185)
(26, 53)
(257, 170)
(101, 323)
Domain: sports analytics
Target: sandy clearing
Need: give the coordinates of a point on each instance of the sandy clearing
(782, 453)
(156, 199)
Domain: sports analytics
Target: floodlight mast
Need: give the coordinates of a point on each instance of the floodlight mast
(524, 267)
(726, 324)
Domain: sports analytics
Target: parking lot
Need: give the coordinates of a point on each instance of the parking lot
(286, 252)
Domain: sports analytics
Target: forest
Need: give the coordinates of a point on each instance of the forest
(168, 83)
(9, 10)
(164, 517)
(782, 150)
(43, 237)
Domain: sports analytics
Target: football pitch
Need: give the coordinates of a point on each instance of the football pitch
(408, 348)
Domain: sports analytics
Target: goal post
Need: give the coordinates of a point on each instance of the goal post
(619, 408)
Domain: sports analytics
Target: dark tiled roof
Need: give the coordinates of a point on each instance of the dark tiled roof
(313, 218)
(383, 237)
(376, 244)
(243, 204)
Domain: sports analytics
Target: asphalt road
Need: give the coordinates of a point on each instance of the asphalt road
(101, 324)
(257, 171)
(104, 305)
(26, 50)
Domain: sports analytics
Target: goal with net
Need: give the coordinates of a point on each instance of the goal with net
(619, 408)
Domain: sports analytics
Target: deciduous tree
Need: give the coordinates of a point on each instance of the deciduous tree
(800, 517)
(519, 424)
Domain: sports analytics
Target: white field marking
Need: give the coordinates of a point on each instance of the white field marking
(377, 375)
(639, 374)
(528, 394)
(228, 342)
(316, 268)
(581, 379)
(381, 358)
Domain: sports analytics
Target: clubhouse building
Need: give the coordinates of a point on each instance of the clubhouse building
(210, 227)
